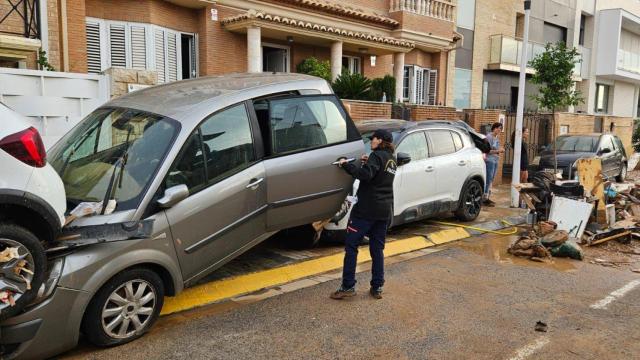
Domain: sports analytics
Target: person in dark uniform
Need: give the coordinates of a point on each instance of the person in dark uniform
(524, 154)
(371, 214)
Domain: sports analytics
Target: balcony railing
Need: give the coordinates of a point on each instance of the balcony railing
(507, 50)
(439, 9)
(20, 17)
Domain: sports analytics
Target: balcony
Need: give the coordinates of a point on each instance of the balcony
(506, 53)
(439, 9)
(618, 55)
(19, 29)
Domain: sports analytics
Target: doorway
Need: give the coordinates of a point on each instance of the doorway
(275, 58)
(513, 103)
(188, 56)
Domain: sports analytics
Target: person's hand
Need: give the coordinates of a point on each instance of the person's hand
(342, 162)
(501, 150)
(364, 158)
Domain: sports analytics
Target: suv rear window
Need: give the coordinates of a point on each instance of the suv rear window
(441, 142)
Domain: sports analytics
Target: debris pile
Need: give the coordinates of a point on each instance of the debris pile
(590, 210)
(15, 277)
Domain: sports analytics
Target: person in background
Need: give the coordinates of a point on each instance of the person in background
(524, 155)
(491, 161)
(371, 214)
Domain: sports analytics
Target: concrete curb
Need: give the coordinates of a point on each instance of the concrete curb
(234, 287)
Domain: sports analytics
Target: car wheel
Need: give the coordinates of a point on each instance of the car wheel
(22, 274)
(470, 201)
(623, 174)
(124, 308)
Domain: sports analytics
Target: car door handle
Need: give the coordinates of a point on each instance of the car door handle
(429, 169)
(338, 161)
(254, 183)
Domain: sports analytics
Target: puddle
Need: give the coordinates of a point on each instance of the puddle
(495, 248)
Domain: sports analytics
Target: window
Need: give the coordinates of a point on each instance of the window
(406, 81)
(462, 88)
(420, 85)
(554, 33)
(441, 142)
(602, 99)
(228, 143)
(415, 145)
(351, 64)
(140, 46)
(305, 122)
(583, 20)
(457, 140)
(189, 168)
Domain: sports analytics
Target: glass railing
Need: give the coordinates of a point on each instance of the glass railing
(508, 50)
(628, 61)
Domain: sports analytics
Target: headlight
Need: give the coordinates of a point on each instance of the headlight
(536, 161)
(51, 279)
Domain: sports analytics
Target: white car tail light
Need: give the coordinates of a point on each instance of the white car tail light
(26, 146)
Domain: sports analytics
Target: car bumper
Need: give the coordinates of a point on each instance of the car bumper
(49, 328)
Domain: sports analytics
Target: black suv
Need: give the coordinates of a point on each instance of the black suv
(570, 148)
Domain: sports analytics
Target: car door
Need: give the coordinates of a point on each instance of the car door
(451, 166)
(415, 182)
(306, 136)
(608, 159)
(226, 210)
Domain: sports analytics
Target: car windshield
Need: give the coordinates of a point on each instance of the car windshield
(121, 147)
(577, 143)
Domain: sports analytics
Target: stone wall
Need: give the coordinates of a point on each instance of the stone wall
(422, 112)
(119, 79)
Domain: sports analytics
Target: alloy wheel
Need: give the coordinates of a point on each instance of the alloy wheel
(473, 199)
(16, 274)
(129, 309)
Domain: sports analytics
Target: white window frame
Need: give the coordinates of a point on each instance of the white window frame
(278, 46)
(351, 61)
(419, 78)
(105, 44)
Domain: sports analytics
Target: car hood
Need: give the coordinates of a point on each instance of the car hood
(564, 158)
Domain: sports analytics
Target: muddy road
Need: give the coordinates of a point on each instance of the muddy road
(467, 300)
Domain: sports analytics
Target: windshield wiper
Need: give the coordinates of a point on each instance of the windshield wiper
(119, 165)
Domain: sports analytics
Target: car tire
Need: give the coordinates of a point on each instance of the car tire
(470, 201)
(300, 237)
(120, 311)
(31, 248)
(623, 173)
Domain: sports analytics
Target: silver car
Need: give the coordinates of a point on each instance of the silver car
(199, 171)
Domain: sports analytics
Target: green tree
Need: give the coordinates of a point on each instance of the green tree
(315, 67)
(352, 86)
(554, 73)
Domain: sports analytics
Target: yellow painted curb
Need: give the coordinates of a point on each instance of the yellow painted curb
(227, 288)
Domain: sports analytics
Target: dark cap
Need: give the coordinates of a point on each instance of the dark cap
(383, 135)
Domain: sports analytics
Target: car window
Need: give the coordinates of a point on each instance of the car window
(415, 145)
(618, 142)
(577, 143)
(227, 141)
(305, 122)
(441, 142)
(457, 140)
(189, 168)
(613, 143)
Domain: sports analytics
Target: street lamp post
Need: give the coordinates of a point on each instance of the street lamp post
(517, 146)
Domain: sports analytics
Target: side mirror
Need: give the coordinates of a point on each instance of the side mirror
(173, 195)
(605, 151)
(403, 158)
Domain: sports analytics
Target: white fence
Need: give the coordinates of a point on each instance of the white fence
(53, 101)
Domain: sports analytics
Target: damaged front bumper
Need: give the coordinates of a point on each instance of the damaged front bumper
(46, 329)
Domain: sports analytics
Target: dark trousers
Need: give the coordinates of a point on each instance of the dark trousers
(356, 231)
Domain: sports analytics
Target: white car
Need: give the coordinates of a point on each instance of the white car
(446, 172)
(32, 206)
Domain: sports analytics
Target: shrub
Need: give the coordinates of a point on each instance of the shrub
(386, 85)
(315, 67)
(352, 86)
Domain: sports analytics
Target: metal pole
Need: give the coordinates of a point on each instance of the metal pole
(517, 146)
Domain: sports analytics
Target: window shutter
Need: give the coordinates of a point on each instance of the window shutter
(138, 48)
(172, 57)
(94, 62)
(160, 68)
(433, 87)
(117, 42)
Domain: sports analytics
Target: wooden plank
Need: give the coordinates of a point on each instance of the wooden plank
(590, 177)
(616, 236)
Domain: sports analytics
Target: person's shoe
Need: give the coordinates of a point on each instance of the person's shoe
(376, 292)
(343, 293)
(489, 203)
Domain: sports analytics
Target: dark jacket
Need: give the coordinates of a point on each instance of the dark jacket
(375, 193)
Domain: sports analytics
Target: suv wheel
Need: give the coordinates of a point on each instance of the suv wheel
(124, 308)
(470, 201)
(21, 276)
(623, 173)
